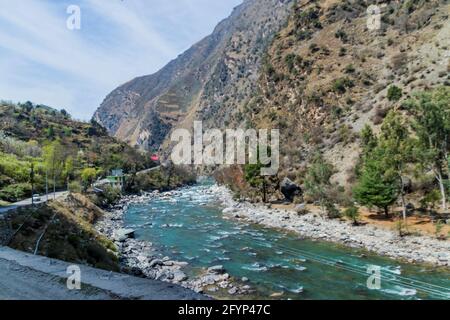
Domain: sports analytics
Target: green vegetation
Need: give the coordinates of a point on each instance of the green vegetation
(375, 187)
(62, 152)
(306, 22)
(341, 85)
(431, 124)
(69, 232)
(340, 34)
(418, 143)
(318, 185)
(255, 179)
(353, 214)
(394, 93)
(386, 162)
(166, 178)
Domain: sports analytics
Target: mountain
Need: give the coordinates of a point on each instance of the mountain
(326, 76)
(313, 69)
(204, 82)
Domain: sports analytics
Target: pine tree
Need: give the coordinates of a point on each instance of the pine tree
(375, 187)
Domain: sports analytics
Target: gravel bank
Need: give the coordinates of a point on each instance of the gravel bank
(142, 259)
(413, 249)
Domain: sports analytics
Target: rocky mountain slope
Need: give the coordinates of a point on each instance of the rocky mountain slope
(313, 69)
(326, 75)
(204, 82)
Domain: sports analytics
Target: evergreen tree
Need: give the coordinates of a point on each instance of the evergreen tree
(375, 187)
(368, 140)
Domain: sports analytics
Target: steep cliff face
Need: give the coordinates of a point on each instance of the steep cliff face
(326, 75)
(313, 69)
(202, 83)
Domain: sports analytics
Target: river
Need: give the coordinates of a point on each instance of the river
(190, 227)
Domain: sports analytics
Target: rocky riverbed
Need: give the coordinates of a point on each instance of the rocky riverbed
(142, 259)
(413, 249)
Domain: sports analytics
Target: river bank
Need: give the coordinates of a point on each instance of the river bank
(201, 239)
(412, 249)
(140, 258)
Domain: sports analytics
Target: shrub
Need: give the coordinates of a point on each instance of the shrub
(353, 214)
(430, 199)
(341, 85)
(332, 211)
(75, 187)
(15, 192)
(340, 34)
(111, 194)
(438, 229)
(394, 93)
(349, 69)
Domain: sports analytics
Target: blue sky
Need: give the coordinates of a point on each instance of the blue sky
(41, 60)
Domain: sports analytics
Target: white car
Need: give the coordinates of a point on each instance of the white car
(36, 198)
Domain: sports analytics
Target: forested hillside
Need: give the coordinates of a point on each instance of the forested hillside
(38, 142)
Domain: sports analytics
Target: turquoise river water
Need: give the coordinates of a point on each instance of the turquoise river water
(191, 227)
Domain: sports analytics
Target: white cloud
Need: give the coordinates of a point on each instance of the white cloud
(41, 60)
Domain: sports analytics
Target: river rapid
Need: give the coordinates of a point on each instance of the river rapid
(189, 225)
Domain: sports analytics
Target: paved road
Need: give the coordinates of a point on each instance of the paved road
(24, 276)
(27, 202)
(148, 170)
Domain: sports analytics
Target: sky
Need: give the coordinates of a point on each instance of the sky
(44, 61)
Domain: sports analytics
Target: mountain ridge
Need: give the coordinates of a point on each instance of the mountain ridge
(144, 110)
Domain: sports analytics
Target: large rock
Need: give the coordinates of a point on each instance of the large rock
(179, 276)
(155, 262)
(290, 189)
(216, 270)
(123, 234)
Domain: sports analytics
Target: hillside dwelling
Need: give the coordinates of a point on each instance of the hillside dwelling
(115, 180)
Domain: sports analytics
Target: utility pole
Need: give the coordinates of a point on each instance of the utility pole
(32, 183)
(54, 185)
(46, 184)
(54, 177)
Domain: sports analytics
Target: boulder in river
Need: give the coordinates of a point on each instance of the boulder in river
(179, 276)
(155, 262)
(123, 234)
(290, 189)
(216, 270)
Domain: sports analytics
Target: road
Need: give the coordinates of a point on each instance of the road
(148, 170)
(27, 202)
(24, 276)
